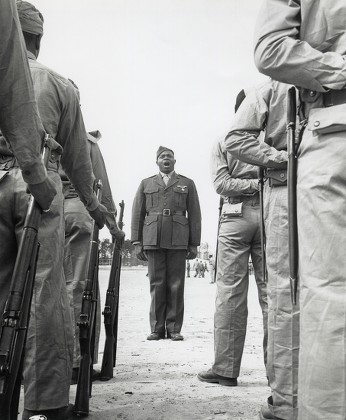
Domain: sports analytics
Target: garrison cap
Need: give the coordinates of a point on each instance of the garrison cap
(30, 18)
(162, 149)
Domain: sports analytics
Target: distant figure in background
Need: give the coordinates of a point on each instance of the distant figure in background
(212, 268)
(166, 229)
(196, 268)
(201, 269)
(188, 268)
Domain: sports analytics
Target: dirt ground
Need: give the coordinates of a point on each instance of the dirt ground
(157, 379)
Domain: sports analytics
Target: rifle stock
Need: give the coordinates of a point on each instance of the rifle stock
(16, 315)
(87, 321)
(111, 308)
(292, 193)
(262, 229)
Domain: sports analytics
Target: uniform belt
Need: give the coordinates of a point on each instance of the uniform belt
(334, 97)
(10, 162)
(243, 198)
(276, 177)
(167, 212)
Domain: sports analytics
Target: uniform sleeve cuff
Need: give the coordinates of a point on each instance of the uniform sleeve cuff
(35, 172)
(93, 203)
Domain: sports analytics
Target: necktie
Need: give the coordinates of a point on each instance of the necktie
(165, 179)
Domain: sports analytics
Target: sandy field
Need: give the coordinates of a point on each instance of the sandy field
(157, 380)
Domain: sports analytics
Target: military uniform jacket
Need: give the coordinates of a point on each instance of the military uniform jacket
(166, 216)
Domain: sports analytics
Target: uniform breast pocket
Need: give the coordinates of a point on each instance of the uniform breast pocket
(327, 120)
(151, 196)
(180, 196)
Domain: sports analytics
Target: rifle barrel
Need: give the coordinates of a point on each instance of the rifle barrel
(292, 194)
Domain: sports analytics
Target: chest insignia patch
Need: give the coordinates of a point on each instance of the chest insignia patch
(182, 187)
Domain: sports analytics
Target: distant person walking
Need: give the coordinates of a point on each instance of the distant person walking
(212, 268)
(188, 268)
(196, 268)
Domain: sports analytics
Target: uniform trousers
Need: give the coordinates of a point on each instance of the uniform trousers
(321, 191)
(166, 268)
(283, 318)
(48, 353)
(78, 224)
(239, 238)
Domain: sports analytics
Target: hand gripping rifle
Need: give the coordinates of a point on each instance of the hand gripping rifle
(16, 316)
(262, 229)
(87, 321)
(111, 310)
(292, 193)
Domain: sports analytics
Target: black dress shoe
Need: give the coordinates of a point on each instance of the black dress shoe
(213, 378)
(175, 336)
(156, 336)
(63, 413)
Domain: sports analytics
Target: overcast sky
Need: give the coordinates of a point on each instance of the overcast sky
(151, 73)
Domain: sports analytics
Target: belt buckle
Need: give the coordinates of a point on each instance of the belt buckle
(166, 212)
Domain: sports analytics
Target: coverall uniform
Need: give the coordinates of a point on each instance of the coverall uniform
(160, 224)
(264, 109)
(19, 120)
(238, 239)
(303, 42)
(49, 347)
(78, 225)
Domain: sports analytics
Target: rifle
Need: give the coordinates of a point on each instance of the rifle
(217, 237)
(262, 228)
(87, 320)
(16, 316)
(292, 194)
(111, 310)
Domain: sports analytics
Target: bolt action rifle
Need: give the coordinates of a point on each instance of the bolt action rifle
(217, 237)
(111, 310)
(87, 321)
(292, 193)
(16, 316)
(262, 229)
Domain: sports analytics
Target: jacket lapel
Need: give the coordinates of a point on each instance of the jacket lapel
(173, 180)
(159, 180)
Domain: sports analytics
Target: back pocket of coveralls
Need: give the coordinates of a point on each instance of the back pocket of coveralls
(151, 196)
(180, 230)
(180, 196)
(150, 230)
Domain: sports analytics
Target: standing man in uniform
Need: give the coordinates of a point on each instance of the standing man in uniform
(212, 268)
(303, 42)
(166, 229)
(264, 110)
(77, 240)
(188, 265)
(48, 353)
(19, 120)
(238, 239)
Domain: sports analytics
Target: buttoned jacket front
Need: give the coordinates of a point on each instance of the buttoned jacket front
(166, 216)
